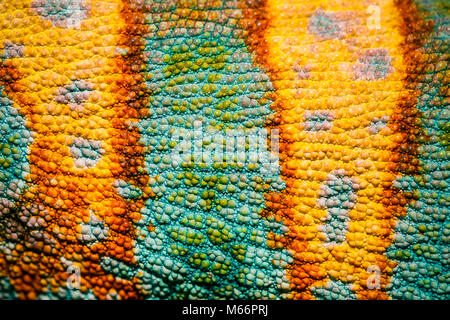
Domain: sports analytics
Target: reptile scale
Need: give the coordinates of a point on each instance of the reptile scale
(224, 149)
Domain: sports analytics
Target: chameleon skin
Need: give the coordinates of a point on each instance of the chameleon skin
(420, 245)
(67, 191)
(89, 178)
(346, 112)
(95, 97)
(209, 237)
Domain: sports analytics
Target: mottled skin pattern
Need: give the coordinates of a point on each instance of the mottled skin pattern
(111, 113)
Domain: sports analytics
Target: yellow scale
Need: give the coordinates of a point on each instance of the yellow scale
(330, 84)
(55, 55)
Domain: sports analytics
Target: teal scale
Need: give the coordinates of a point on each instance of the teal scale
(421, 240)
(202, 236)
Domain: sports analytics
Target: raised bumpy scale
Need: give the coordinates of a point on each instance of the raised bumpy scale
(234, 149)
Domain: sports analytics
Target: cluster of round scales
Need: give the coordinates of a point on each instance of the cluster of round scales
(15, 139)
(113, 115)
(14, 142)
(350, 119)
(207, 238)
(422, 236)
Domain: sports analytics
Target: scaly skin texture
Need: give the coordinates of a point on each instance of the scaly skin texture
(61, 193)
(319, 55)
(97, 97)
(421, 236)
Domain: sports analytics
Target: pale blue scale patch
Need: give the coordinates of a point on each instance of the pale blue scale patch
(126, 190)
(93, 231)
(338, 197)
(377, 124)
(65, 293)
(86, 153)
(334, 290)
(7, 292)
(75, 94)
(12, 50)
(318, 121)
(374, 64)
(15, 140)
(326, 25)
(62, 13)
(153, 240)
(303, 72)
